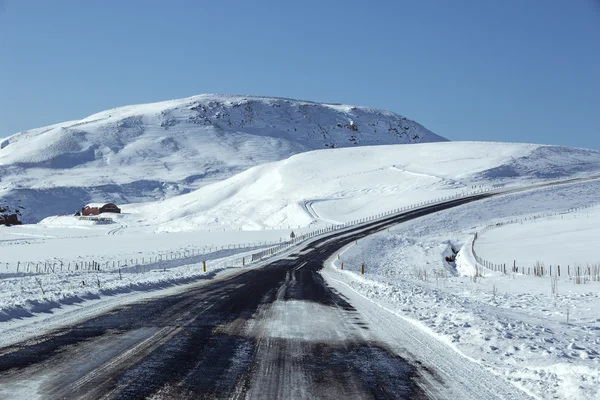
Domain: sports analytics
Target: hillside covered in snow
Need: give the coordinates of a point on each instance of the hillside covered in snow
(340, 185)
(154, 151)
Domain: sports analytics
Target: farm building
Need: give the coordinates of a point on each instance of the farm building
(99, 208)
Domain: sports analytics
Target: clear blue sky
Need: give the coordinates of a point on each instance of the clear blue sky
(510, 70)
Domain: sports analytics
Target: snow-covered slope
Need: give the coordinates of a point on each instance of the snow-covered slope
(340, 185)
(153, 151)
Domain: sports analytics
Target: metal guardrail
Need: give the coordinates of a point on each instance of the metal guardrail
(301, 238)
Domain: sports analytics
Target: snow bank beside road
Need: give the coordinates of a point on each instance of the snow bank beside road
(28, 294)
(512, 325)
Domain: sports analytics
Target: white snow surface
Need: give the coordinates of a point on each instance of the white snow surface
(565, 239)
(511, 324)
(153, 151)
(342, 185)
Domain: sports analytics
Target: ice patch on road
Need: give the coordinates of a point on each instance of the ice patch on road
(297, 320)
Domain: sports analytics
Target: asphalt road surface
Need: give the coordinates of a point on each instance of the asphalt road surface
(277, 332)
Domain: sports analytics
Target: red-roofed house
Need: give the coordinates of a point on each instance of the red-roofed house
(99, 208)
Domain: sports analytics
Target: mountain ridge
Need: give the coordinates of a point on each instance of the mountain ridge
(152, 151)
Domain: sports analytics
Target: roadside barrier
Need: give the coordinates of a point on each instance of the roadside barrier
(285, 245)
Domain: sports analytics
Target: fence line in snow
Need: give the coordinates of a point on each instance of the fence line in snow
(129, 264)
(579, 273)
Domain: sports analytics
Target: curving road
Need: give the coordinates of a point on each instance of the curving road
(119, 229)
(308, 207)
(275, 332)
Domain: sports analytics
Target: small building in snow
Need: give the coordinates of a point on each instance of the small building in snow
(99, 208)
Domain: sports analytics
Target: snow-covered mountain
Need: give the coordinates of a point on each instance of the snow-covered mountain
(154, 151)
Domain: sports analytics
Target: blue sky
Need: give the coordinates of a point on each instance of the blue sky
(511, 70)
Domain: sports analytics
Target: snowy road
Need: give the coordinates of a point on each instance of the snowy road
(308, 206)
(275, 332)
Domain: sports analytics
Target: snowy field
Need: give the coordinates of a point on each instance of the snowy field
(68, 240)
(513, 325)
(62, 260)
(545, 343)
(566, 239)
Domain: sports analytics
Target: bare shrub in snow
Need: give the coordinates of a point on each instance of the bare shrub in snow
(595, 272)
(538, 269)
(440, 276)
(577, 277)
(421, 274)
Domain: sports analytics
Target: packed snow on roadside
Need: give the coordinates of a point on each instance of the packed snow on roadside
(25, 294)
(513, 324)
(55, 264)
